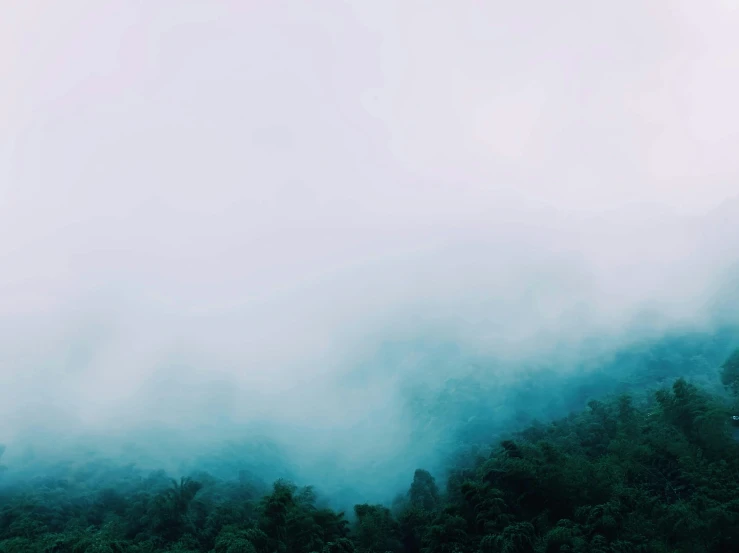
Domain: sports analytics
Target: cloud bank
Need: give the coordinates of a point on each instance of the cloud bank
(214, 213)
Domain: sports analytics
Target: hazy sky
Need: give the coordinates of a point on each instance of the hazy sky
(255, 188)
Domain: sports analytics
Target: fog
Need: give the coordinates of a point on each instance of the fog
(217, 218)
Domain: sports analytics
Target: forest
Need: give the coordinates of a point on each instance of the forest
(637, 455)
(369, 276)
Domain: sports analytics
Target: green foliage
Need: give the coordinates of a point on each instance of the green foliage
(375, 529)
(627, 474)
(233, 540)
(424, 492)
(730, 372)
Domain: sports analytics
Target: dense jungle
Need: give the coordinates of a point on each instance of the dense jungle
(635, 455)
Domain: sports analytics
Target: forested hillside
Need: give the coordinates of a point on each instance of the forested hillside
(646, 471)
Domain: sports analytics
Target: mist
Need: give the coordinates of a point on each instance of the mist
(225, 221)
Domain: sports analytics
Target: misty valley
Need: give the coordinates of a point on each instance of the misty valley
(632, 451)
(369, 276)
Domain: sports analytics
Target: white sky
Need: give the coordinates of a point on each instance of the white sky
(243, 185)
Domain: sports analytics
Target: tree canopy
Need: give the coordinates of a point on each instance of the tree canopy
(657, 474)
